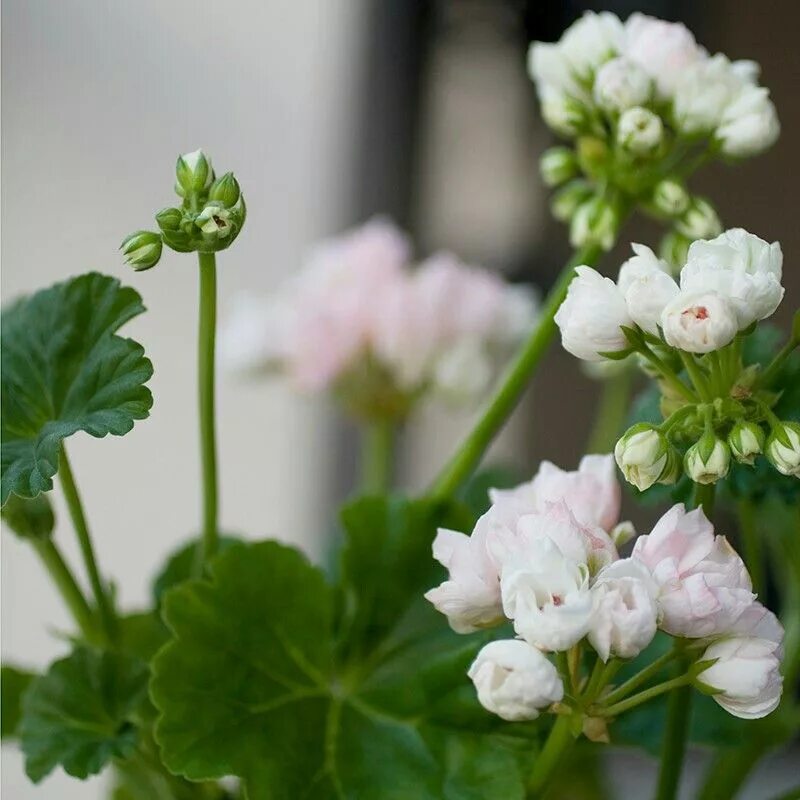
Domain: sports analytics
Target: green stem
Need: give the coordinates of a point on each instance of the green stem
(643, 697)
(777, 363)
(751, 545)
(669, 375)
(205, 375)
(108, 618)
(679, 710)
(624, 689)
(67, 586)
(562, 662)
(696, 376)
(512, 385)
(611, 413)
(555, 748)
(377, 456)
(704, 497)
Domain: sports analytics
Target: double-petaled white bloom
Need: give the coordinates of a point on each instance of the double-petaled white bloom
(625, 611)
(647, 286)
(750, 123)
(741, 267)
(783, 448)
(470, 597)
(704, 587)
(699, 322)
(663, 49)
(515, 680)
(591, 316)
(645, 456)
(706, 90)
(621, 84)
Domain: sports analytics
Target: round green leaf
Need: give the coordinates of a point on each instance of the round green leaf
(250, 686)
(64, 369)
(79, 714)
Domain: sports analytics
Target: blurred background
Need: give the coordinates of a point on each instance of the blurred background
(328, 111)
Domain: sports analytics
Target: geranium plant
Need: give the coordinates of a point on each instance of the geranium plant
(464, 644)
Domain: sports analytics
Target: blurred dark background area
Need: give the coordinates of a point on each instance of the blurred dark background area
(451, 136)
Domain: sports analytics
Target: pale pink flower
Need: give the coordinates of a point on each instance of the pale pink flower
(704, 587)
(592, 492)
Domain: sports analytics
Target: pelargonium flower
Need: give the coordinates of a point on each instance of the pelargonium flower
(359, 320)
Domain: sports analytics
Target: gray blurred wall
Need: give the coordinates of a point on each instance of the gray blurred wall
(98, 100)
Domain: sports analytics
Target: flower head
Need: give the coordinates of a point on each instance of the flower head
(699, 322)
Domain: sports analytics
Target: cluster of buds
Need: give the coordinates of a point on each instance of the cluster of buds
(210, 217)
(544, 558)
(689, 336)
(643, 106)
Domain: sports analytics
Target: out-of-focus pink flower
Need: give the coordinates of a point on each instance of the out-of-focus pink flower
(592, 492)
(704, 587)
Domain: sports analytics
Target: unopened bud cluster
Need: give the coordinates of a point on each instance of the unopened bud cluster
(643, 103)
(209, 218)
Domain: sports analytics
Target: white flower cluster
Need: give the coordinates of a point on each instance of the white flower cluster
(545, 557)
(645, 77)
(726, 285)
(357, 314)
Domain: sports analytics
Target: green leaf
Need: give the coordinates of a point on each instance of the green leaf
(29, 519)
(80, 713)
(179, 566)
(14, 683)
(64, 370)
(251, 684)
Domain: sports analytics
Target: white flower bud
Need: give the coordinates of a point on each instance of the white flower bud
(591, 315)
(557, 165)
(515, 680)
(701, 221)
(193, 172)
(699, 322)
(707, 460)
(750, 124)
(564, 114)
(746, 441)
(621, 84)
(783, 448)
(745, 676)
(594, 222)
(645, 456)
(671, 198)
(673, 249)
(640, 131)
(625, 612)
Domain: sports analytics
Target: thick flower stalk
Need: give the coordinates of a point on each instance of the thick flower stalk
(209, 218)
(642, 106)
(544, 558)
(688, 334)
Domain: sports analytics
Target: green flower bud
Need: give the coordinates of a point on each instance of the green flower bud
(700, 221)
(674, 249)
(225, 190)
(215, 222)
(567, 199)
(169, 219)
(645, 456)
(558, 165)
(746, 441)
(783, 448)
(707, 460)
(592, 155)
(670, 198)
(193, 172)
(142, 250)
(594, 222)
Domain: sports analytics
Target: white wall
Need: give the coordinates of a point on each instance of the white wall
(98, 99)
